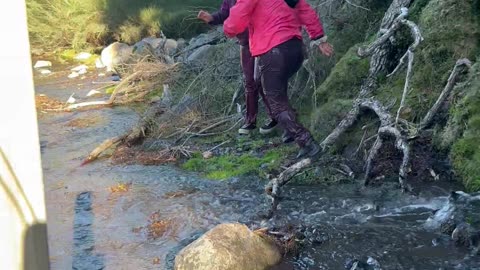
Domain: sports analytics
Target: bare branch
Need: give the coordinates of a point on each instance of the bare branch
(357, 6)
(407, 84)
(371, 156)
(364, 52)
(445, 93)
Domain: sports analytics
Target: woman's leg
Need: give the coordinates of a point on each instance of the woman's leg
(251, 87)
(276, 67)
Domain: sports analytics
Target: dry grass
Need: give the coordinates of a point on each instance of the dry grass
(141, 78)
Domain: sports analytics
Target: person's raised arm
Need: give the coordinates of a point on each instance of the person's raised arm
(239, 18)
(219, 16)
(309, 18)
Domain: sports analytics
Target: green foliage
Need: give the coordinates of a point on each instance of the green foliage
(450, 31)
(226, 166)
(334, 96)
(91, 23)
(465, 152)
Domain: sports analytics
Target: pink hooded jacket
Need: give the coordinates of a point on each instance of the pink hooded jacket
(271, 22)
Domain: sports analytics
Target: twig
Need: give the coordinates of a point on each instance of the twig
(357, 6)
(217, 146)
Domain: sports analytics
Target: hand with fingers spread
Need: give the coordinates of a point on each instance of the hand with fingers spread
(326, 49)
(205, 16)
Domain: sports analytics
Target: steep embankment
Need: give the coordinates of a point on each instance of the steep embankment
(451, 31)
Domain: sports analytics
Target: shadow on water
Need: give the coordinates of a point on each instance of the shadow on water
(83, 237)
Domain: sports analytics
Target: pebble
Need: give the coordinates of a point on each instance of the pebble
(45, 71)
(73, 75)
(42, 64)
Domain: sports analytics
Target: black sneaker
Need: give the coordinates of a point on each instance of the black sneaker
(310, 150)
(246, 129)
(268, 127)
(287, 138)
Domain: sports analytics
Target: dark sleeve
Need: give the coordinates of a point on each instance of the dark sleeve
(221, 15)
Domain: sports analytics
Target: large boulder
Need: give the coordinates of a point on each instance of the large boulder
(228, 247)
(142, 49)
(200, 54)
(116, 54)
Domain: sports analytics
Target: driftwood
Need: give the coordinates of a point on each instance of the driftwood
(273, 187)
(102, 148)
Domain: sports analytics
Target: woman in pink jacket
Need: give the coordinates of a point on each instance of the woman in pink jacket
(275, 39)
(253, 88)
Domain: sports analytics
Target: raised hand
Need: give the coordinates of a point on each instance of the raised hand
(326, 49)
(205, 16)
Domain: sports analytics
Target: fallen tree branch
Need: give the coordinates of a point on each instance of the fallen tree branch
(367, 51)
(102, 147)
(273, 187)
(445, 93)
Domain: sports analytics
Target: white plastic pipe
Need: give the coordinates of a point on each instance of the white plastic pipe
(23, 235)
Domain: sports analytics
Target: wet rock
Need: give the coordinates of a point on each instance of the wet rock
(459, 218)
(45, 71)
(42, 64)
(355, 264)
(115, 54)
(82, 69)
(228, 247)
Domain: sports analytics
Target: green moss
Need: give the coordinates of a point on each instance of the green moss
(465, 152)
(328, 115)
(345, 79)
(226, 166)
(69, 56)
(110, 89)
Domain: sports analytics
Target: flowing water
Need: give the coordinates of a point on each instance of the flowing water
(164, 208)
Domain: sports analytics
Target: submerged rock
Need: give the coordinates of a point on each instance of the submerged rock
(228, 247)
(459, 218)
